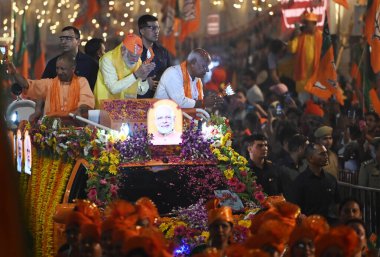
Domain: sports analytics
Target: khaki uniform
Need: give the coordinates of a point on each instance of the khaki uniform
(333, 166)
(369, 175)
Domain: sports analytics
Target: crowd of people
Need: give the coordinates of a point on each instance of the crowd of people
(279, 229)
(297, 145)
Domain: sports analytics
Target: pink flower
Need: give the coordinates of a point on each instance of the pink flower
(243, 173)
(259, 196)
(103, 182)
(113, 190)
(240, 188)
(92, 194)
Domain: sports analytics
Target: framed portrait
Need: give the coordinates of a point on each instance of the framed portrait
(164, 122)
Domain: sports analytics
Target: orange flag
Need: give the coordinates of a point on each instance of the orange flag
(22, 62)
(372, 32)
(343, 3)
(170, 26)
(87, 13)
(323, 83)
(191, 18)
(38, 55)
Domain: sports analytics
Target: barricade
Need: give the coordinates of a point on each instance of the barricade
(370, 198)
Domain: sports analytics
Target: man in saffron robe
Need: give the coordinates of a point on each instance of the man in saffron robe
(307, 49)
(182, 83)
(121, 72)
(64, 94)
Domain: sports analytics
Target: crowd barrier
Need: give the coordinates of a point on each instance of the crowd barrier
(370, 198)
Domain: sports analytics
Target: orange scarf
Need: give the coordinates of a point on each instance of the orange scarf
(72, 98)
(186, 83)
(150, 59)
(300, 66)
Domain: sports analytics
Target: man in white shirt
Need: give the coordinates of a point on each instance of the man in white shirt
(182, 83)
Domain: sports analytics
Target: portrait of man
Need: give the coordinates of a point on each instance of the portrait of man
(164, 125)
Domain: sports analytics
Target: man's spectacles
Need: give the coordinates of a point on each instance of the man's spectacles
(153, 28)
(67, 38)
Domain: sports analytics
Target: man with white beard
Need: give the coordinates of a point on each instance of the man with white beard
(165, 123)
(121, 73)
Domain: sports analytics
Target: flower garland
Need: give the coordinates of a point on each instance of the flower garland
(136, 147)
(58, 188)
(234, 166)
(189, 227)
(194, 145)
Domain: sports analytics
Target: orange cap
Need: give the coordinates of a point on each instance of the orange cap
(214, 213)
(311, 228)
(272, 200)
(146, 209)
(89, 209)
(342, 238)
(76, 218)
(133, 43)
(309, 16)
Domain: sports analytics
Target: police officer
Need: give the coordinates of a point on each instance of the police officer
(369, 175)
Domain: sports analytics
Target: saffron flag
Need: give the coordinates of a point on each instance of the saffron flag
(370, 96)
(22, 61)
(343, 3)
(372, 32)
(87, 13)
(170, 26)
(38, 55)
(191, 18)
(323, 83)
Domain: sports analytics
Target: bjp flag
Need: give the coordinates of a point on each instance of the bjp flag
(170, 26)
(191, 18)
(323, 83)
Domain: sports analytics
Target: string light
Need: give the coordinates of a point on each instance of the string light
(123, 15)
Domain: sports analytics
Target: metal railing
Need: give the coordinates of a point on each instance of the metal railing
(349, 177)
(370, 198)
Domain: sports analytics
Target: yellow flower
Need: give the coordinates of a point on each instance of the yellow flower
(205, 234)
(244, 223)
(216, 151)
(229, 173)
(103, 159)
(114, 159)
(223, 158)
(243, 168)
(88, 131)
(111, 139)
(181, 223)
(42, 127)
(91, 166)
(163, 227)
(113, 169)
(123, 137)
(170, 233)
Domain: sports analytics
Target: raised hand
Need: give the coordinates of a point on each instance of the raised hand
(144, 70)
